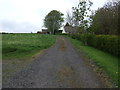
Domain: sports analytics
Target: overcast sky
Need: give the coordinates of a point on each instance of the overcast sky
(27, 15)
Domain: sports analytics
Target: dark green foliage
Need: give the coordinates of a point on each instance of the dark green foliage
(105, 19)
(107, 43)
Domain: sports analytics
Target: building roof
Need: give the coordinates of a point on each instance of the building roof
(43, 30)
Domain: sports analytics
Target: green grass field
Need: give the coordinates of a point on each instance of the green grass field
(105, 61)
(22, 46)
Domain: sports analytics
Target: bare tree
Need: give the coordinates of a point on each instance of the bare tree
(69, 18)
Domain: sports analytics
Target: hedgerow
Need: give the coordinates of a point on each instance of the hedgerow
(108, 43)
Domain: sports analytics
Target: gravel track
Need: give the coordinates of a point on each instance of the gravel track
(58, 67)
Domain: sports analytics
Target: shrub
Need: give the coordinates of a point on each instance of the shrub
(108, 43)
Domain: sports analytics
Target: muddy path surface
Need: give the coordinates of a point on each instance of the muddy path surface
(58, 67)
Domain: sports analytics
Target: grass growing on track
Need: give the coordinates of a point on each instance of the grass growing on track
(22, 46)
(104, 60)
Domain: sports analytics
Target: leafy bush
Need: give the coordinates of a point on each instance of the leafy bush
(108, 43)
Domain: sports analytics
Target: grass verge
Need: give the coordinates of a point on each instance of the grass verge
(105, 61)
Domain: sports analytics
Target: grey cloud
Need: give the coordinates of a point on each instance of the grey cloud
(16, 27)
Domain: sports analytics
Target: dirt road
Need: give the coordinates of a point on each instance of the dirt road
(59, 67)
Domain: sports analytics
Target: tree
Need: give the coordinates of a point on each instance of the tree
(80, 13)
(81, 17)
(53, 21)
(105, 19)
(69, 18)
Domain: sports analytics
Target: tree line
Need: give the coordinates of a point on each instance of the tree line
(101, 29)
(104, 21)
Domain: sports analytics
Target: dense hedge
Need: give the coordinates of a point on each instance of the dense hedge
(108, 43)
